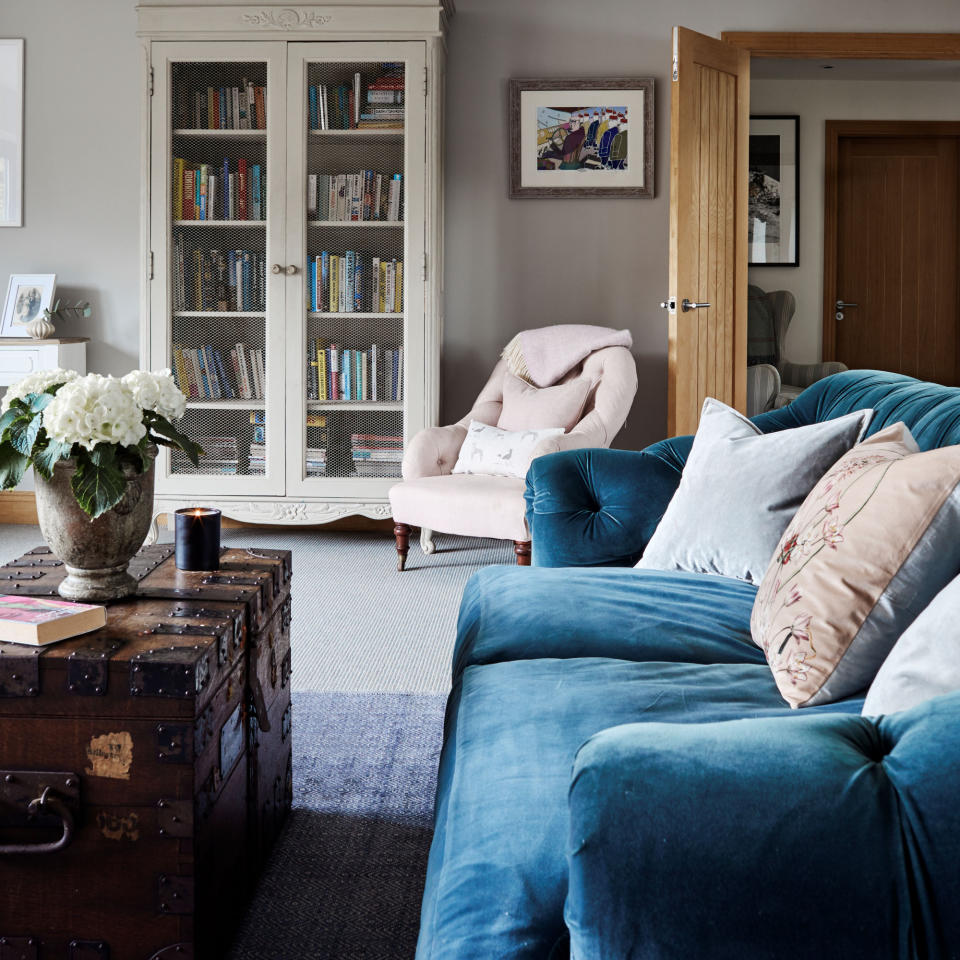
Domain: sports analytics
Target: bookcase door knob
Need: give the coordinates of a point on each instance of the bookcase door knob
(276, 268)
(291, 270)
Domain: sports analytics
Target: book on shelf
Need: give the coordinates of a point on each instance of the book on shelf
(342, 374)
(354, 282)
(203, 373)
(224, 280)
(230, 190)
(37, 621)
(361, 196)
(242, 107)
(376, 455)
(354, 106)
(220, 456)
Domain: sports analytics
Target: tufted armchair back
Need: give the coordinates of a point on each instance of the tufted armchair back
(613, 371)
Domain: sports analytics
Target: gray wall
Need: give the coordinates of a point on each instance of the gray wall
(510, 264)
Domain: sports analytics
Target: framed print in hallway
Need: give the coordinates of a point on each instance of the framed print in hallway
(773, 198)
(581, 138)
(11, 133)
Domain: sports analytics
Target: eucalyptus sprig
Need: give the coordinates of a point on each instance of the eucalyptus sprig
(59, 313)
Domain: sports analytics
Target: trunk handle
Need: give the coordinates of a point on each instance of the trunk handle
(47, 802)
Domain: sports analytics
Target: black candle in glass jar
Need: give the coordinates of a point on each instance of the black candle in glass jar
(198, 538)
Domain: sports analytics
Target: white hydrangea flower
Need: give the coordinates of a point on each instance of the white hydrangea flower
(157, 391)
(95, 409)
(35, 383)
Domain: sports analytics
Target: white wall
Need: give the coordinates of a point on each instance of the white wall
(510, 263)
(817, 101)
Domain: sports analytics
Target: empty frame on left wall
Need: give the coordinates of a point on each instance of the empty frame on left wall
(11, 133)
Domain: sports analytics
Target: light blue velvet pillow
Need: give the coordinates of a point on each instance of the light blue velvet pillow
(925, 661)
(741, 488)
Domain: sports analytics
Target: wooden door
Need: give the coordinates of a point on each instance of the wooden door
(709, 129)
(890, 296)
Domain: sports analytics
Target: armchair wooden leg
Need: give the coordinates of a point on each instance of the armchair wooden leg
(522, 549)
(402, 532)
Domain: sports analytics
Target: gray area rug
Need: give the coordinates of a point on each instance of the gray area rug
(346, 876)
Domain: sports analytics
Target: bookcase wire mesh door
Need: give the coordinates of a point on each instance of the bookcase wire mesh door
(218, 275)
(355, 270)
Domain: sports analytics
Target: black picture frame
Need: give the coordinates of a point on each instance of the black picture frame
(773, 196)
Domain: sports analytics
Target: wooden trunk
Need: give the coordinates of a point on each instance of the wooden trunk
(157, 743)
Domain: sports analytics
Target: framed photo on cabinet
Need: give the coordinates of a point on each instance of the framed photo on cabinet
(28, 295)
(773, 200)
(581, 138)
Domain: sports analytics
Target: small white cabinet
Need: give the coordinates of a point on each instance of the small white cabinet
(293, 238)
(21, 357)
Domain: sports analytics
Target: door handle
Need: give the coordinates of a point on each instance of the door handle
(690, 305)
(291, 270)
(843, 304)
(669, 304)
(276, 268)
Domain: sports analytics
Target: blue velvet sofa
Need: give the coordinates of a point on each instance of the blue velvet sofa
(620, 777)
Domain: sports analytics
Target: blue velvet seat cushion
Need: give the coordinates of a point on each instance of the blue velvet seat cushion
(497, 875)
(517, 613)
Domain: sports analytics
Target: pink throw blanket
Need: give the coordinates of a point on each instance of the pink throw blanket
(544, 355)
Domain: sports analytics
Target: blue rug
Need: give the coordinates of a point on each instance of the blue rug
(346, 877)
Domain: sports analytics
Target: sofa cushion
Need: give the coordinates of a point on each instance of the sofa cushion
(526, 407)
(872, 545)
(497, 875)
(494, 452)
(511, 613)
(925, 661)
(472, 506)
(740, 488)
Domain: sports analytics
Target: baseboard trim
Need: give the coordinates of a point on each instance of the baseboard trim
(20, 506)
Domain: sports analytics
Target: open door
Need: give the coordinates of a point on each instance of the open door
(709, 137)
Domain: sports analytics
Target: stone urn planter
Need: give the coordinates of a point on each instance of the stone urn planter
(95, 552)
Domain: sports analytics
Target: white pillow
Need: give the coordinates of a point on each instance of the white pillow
(740, 489)
(499, 453)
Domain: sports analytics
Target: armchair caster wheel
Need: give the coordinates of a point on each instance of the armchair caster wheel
(426, 541)
(401, 532)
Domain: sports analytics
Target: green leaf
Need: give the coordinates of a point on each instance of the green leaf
(46, 458)
(99, 483)
(12, 414)
(163, 427)
(13, 465)
(23, 433)
(38, 401)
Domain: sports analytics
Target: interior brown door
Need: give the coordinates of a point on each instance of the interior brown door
(893, 302)
(709, 129)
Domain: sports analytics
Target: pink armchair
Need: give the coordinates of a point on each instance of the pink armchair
(433, 498)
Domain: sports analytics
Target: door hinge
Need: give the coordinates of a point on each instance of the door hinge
(424, 81)
(151, 81)
(423, 266)
(676, 54)
(151, 266)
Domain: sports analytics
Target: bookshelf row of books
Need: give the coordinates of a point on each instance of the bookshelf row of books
(203, 373)
(242, 107)
(231, 190)
(376, 455)
(354, 282)
(218, 279)
(220, 455)
(353, 107)
(336, 373)
(355, 196)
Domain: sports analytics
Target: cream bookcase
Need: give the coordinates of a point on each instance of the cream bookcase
(292, 235)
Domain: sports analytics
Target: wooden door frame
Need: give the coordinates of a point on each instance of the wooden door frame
(848, 46)
(834, 131)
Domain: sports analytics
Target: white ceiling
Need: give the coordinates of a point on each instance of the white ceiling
(901, 70)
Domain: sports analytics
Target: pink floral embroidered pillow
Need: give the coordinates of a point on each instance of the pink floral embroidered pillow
(873, 543)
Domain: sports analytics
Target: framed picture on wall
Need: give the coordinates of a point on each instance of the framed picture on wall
(28, 295)
(773, 198)
(11, 133)
(581, 138)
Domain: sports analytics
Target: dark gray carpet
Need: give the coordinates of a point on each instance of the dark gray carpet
(346, 877)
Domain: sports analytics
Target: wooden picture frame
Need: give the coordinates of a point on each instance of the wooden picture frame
(599, 164)
(774, 143)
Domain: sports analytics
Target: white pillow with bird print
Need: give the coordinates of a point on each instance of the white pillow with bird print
(500, 453)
